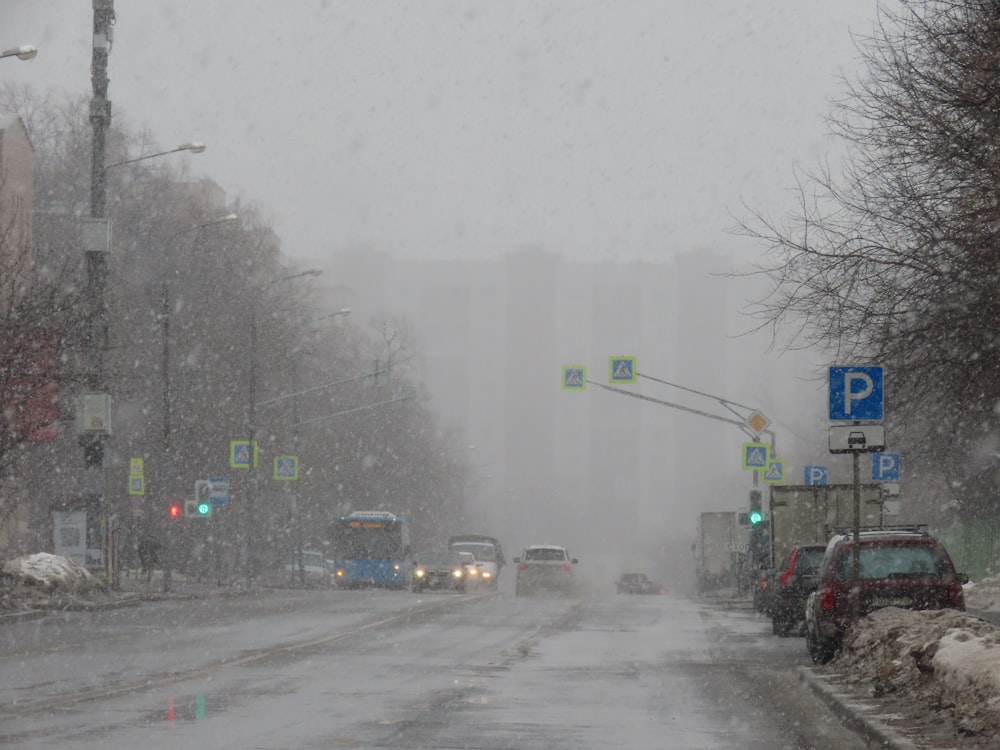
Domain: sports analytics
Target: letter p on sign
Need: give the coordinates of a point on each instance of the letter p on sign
(856, 394)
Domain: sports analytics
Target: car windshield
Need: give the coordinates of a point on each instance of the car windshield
(544, 554)
(444, 559)
(879, 562)
(808, 560)
(482, 552)
(308, 558)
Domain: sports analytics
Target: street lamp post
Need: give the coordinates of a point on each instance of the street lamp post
(195, 147)
(251, 515)
(168, 458)
(24, 52)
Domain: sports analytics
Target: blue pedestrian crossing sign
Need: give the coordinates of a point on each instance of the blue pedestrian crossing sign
(136, 485)
(239, 454)
(286, 467)
(856, 394)
(621, 369)
(755, 455)
(574, 378)
(885, 467)
(815, 475)
(775, 471)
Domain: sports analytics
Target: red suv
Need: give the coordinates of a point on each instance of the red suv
(791, 585)
(908, 569)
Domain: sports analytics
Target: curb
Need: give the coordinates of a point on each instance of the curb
(853, 715)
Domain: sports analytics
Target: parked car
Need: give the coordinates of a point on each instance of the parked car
(638, 583)
(790, 586)
(439, 571)
(545, 568)
(313, 572)
(898, 568)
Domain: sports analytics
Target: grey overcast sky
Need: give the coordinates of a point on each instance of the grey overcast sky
(625, 129)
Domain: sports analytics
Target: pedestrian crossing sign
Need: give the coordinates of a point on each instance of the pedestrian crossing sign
(574, 378)
(136, 485)
(239, 454)
(286, 467)
(621, 369)
(755, 455)
(775, 472)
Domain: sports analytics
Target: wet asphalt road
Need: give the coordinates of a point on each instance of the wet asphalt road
(293, 669)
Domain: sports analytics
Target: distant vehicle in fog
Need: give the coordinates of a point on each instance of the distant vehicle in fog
(371, 549)
(486, 550)
(638, 583)
(439, 571)
(545, 568)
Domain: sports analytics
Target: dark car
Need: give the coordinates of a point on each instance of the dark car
(907, 569)
(439, 571)
(638, 583)
(545, 568)
(791, 585)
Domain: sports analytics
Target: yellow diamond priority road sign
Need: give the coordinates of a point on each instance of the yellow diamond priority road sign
(757, 421)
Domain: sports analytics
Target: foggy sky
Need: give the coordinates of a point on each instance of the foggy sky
(611, 131)
(598, 130)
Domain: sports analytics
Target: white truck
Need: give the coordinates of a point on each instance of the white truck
(721, 550)
(813, 512)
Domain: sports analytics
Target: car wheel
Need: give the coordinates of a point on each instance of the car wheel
(820, 652)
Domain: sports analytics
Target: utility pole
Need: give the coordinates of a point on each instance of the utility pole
(94, 423)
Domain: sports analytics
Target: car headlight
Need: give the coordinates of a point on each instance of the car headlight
(419, 572)
(473, 572)
(458, 572)
(486, 574)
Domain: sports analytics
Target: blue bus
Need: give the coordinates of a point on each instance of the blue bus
(371, 548)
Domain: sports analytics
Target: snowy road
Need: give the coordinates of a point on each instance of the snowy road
(393, 670)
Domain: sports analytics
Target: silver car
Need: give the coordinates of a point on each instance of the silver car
(310, 570)
(545, 568)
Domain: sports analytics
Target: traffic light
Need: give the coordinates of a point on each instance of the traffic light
(174, 511)
(201, 506)
(756, 515)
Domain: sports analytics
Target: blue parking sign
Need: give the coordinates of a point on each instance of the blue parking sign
(815, 475)
(885, 467)
(856, 394)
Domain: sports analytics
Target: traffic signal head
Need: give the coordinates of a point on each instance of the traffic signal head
(200, 508)
(756, 515)
(174, 511)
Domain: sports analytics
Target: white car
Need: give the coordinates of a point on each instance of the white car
(487, 565)
(314, 570)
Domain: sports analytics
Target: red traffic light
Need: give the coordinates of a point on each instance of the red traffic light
(175, 511)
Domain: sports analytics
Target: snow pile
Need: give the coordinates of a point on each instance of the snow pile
(47, 581)
(983, 596)
(946, 659)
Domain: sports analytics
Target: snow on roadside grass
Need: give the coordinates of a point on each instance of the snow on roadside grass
(945, 658)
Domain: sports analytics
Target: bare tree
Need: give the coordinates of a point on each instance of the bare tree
(894, 260)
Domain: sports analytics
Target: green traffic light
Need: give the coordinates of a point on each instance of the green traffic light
(756, 517)
(204, 509)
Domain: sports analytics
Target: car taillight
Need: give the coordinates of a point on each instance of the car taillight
(826, 598)
(522, 566)
(565, 567)
(956, 597)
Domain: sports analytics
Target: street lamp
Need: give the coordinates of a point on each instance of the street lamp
(251, 494)
(24, 52)
(195, 147)
(168, 469)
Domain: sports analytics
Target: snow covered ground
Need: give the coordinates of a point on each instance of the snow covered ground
(944, 658)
